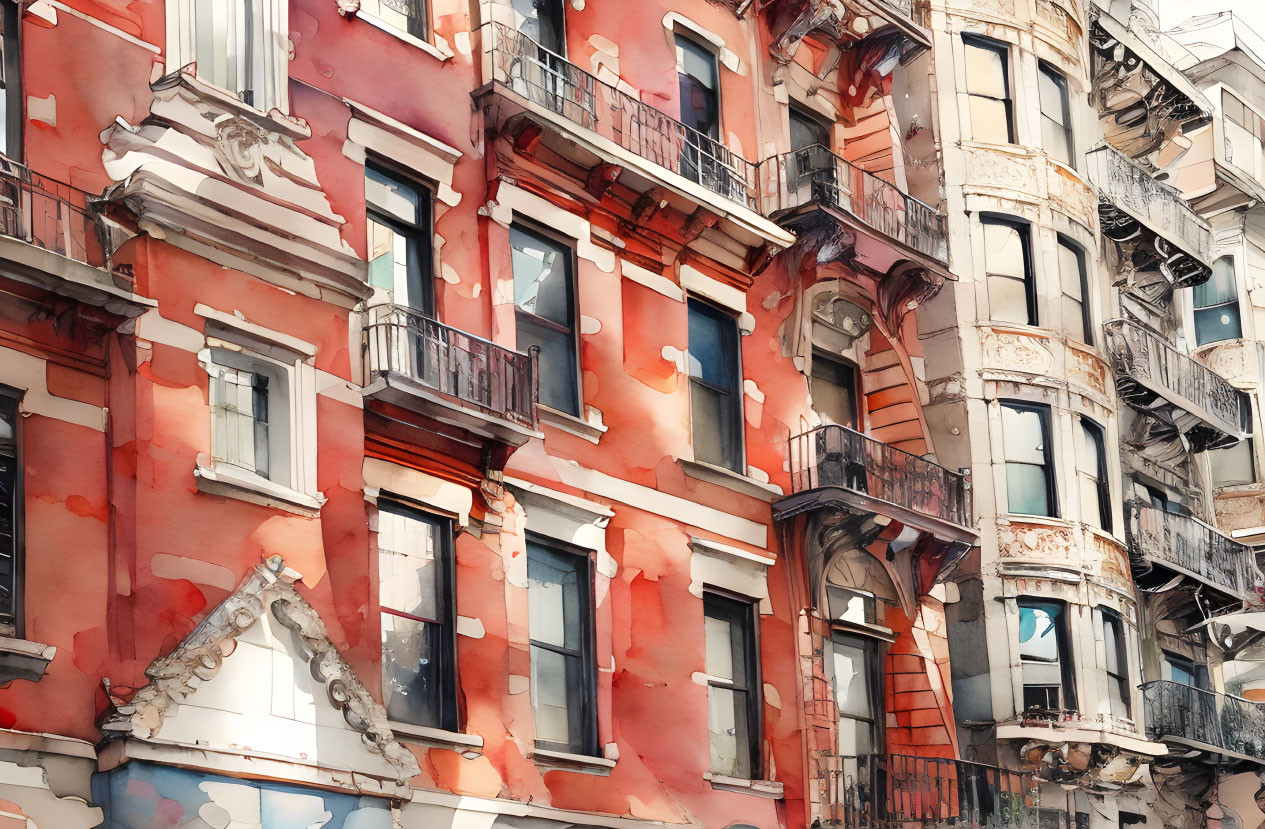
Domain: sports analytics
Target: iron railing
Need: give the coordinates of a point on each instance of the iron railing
(1185, 543)
(838, 456)
(1147, 367)
(815, 174)
(474, 370)
(48, 214)
(1156, 204)
(531, 71)
(1182, 712)
(903, 792)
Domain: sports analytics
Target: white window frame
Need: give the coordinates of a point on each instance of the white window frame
(269, 70)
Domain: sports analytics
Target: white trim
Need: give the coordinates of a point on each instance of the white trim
(437, 737)
(449, 498)
(234, 482)
(706, 545)
(695, 281)
(429, 48)
(516, 808)
(30, 374)
(600, 512)
(759, 788)
(105, 27)
(565, 761)
(656, 282)
(238, 322)
(733, 481)
(592, 432)
(672, 21)
(15, 740)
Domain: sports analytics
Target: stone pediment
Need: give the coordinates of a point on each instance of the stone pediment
(260, 676)
(216, 176)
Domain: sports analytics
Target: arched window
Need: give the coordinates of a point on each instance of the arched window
(1217, 305)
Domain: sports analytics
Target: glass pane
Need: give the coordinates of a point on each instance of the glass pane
(854, 737)
(408, 569)
(1008, 300)
(1111, 643)
(1027, 490)
(1074, 319)
(392, 196)
(1232, 466)
(1219, 322)
(1221, 287)
(989, 121)
(411, 669)
(1038, 632)
(807, 131)
(551, 674)
(727, 731)
(720, 651)
(1023, 434)
(1053, 99)
(542, 21)
(1056, 140)
(556, 367)
(1180, 672)
(696, 72)
(851, 679)
(1071, 271)
(542, 276)
(1091, 501)
(1004, 249)
(1090, 453)
(712, 425)
(553, 597)
(712, 346)
(834, 390)
(985, 71)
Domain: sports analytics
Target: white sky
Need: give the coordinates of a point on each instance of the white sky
(1173, 12)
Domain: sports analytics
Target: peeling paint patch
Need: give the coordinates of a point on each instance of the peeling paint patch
(168, 566)
(519, 684)
(468, 626)
(675, 356)
(752, 390)
(42, 109)
(772, 697)
(590, 325)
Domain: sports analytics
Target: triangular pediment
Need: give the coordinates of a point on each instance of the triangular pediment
(260, 676)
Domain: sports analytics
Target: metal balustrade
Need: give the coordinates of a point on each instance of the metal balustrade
(1176, 711)
(549, 80)
(838, 456)
(1186, 544)
(1148, 368)
(903, 792)
(817, 175)
(498, 380)
(47, 213)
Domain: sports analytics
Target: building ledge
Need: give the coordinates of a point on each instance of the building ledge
(1080, 732)
(233, 482)
(407, 393)
(719, 475)
(565, 761)
(468, 745)
(62, 275)
(759, 788)
(20, 659)
(563, 422)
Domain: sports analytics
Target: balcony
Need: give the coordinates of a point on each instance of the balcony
(1229, 728)
(461, 380)
(835, 464)
(1185, 545)
(903, 792)
(1180, 392)
(1135, 208)
(612, 136)
(816, 176)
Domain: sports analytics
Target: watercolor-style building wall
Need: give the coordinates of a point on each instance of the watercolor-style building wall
(498, 413)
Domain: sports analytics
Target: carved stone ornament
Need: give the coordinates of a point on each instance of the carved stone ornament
(268, 589)
(1055, 545)
(348, 8)
(240, 148)
(1089, 371)
(1012, 351)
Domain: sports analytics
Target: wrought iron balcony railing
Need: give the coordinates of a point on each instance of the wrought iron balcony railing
(1185, 544)
(1158, 206)
(817, 175)
(836, 456)
(476, 371)
(1219, 722)
(548, 80)
(48, 214)
(1147, 369)
(903, 792)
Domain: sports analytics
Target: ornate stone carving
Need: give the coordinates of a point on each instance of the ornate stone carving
(1012, 351)
(995, 168)
(268, 589)
(1234, 360)
(1037, 541)
(1089, 371)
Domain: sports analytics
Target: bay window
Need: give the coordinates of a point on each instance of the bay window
(1045, 657)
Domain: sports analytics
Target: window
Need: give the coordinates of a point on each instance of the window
(415, 577)
(10, 80)
(1056, 119)
(563, 675)
(988, 90)
(1244, 136)
(250, 414)
(733, 686)
(858, 691)
(544, 291)
(543, 21)
(699, 81)
(1217, 305)
(10, 512)
(1116, 661)
(1183, 671)
(715, 386)
(399, 225)
(1044, 656)
(807, 131)
(409, 16)
(1012, 295)
(834, 388)
(1095, 489)
(1234, 465)
(238, 45)
(1029, 459)
(1077, 319)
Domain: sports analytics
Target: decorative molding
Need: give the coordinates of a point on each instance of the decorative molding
(1014, 351)
(197, 659)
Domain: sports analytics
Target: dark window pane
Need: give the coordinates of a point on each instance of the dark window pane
(834, 388)
(699, 84)
(1041, 653)
(732, 682)
(553, 597)
(542, 276)
(1217, 305)
(9, 478)
(715, 435)
(807, 131)
(542, 21)
(411, 666)
(557, 364)
(1234, 465)
(560, 626)
(715, 387)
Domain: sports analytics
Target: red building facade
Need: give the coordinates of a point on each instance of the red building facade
(490, 414)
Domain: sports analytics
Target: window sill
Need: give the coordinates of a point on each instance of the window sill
(232, 482)
(469, 745)
(273, 120)
(570, 424)
(22, 659)
(760, 788)
(564, 761)
(429, 48)
(719, 475)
